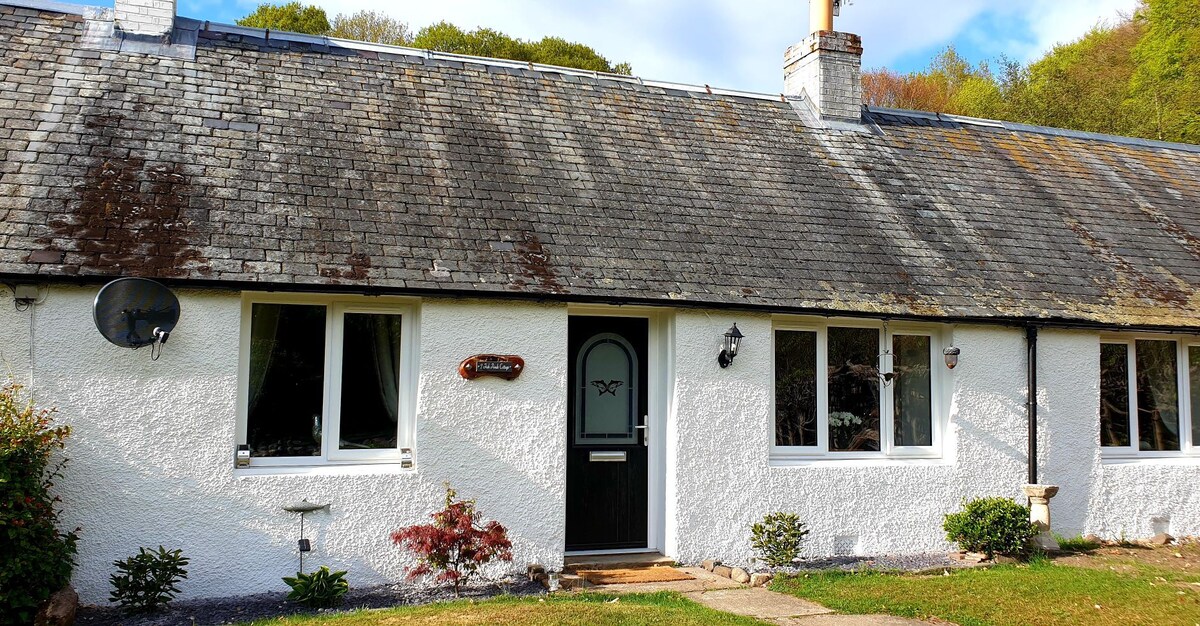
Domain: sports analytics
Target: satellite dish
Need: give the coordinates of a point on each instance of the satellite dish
(135, 312)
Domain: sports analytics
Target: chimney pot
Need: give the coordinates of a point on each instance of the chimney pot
(145, 17)
(820, 15)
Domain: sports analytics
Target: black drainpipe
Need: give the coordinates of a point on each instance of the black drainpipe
(1031, 337)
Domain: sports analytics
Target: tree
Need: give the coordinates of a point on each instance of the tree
(378, 27)
(487, 42)
(1139, 76)
(292, 17)
(371, 26)
(950, 84)
(1084, 84)
(1166, 81)
(456, 544)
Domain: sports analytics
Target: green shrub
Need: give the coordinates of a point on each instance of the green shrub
(777, 538)
(146, 581)
(35, 558)
(320, 589)
(991, 526)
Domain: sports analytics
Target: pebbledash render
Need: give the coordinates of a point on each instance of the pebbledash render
(347, 224)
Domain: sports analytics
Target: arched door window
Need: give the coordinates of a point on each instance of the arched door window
(606, 401)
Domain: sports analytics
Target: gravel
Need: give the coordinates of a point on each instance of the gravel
(269, 605)
(882, 562)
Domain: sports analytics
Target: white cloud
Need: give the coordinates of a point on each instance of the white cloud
(740, 43)
(1061, 22)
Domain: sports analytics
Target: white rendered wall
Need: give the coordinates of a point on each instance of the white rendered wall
(14, 339)
(1114, 500)
(1069, 427)
(724, 480)
(152, 447)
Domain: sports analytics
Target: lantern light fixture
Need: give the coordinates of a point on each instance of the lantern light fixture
(733, 338)
(951, 355)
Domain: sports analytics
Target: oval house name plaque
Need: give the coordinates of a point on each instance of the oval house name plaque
(506, 366)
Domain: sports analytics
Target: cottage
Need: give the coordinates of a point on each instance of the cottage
(346, 225)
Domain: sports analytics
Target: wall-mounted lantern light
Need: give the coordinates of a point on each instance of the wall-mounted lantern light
(733, 337)
(951, 355)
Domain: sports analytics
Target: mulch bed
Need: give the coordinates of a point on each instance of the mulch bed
(269, 605)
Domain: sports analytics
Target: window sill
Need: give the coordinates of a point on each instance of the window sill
(793, 460)
(324, 469)
(1178, 458)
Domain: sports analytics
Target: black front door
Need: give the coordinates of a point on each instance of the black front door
(606, 446)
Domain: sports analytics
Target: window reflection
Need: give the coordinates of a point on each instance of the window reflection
(853, 389)
(795, 388)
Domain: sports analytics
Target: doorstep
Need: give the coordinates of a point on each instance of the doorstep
(574, 563)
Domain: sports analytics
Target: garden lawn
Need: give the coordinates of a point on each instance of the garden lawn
(1043, 592)
(582, 609)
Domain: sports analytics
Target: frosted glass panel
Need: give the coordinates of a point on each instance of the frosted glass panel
(606, 411)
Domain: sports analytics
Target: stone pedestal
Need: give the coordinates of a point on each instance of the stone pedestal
(1039, 514)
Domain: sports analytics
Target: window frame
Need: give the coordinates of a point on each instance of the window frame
(336, 307)
(1187, 447)
(939, 403)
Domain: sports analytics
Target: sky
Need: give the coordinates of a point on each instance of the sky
(739, 44)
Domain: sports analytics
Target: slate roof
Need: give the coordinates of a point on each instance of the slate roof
(292, 163)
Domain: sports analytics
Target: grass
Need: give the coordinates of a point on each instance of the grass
(1041, 592)
(571, 609)
(1076, 544)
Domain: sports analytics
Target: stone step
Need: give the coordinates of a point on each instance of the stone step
(575, 564)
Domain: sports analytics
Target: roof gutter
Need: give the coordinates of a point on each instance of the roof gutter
(371, 290)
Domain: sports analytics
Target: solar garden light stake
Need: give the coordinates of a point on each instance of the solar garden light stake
(302, 507)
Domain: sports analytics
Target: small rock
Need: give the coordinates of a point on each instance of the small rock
(709, 564)
(1092, 539)
(759, 580)
(721, 570)
(1161, 539)
(59, 609)
(739, 575)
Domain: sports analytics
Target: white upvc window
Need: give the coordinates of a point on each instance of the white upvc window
(857, 390)
(326, 379)
(1149, 396)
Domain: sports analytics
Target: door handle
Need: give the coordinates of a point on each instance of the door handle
(645, 428)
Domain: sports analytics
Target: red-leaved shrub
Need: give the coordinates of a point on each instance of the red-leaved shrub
(455, 544)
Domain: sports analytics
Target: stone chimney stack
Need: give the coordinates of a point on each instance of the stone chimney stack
(155, 18)
(826, 67)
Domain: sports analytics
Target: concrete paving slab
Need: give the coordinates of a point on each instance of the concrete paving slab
(757, 602)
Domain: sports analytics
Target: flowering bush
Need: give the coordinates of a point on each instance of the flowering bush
(455, 544)
(35, 559)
